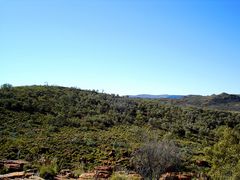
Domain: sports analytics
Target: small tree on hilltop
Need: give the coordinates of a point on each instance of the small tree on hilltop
(6, 86)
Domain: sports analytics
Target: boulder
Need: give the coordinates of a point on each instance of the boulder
(15, 162)
(103, 168)
(34, 178)
(14, 165)
(13, 175)
(28, 174)
(135, 176)
(84, 176)
(102, 175)
(184, 177)
(169, 176)
(181, 176)
(103, 172)
(66, 173)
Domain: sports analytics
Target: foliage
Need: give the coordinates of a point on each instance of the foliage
(224, 154)
(49, 170)
(6, 87)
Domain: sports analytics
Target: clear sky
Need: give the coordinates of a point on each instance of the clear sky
(122, 46)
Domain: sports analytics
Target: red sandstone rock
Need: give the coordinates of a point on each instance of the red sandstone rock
(87, 176)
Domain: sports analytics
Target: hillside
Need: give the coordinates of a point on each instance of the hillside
(224, 101)
(80, 129)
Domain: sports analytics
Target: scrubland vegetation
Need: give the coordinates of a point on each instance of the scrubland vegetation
(79, 129)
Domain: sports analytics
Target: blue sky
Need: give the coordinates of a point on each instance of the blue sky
(122, 46)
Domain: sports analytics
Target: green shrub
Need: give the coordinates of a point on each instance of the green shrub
(48, 171)
(79, 170)
(224, 154)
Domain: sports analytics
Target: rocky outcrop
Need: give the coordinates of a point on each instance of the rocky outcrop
(100, 172)
(103, 172)
(13, 165)
(65, 174)
(135, 176)
(183, 176)
(85, 176)
(14, 175)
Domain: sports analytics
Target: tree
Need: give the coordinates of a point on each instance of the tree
(224, 154)
(154, 158)
(6, 86)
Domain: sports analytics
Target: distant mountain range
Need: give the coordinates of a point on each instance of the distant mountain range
(163, 96)
(223, 101)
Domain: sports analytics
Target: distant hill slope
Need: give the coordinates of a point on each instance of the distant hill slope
(149, 96)
(224, 101)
